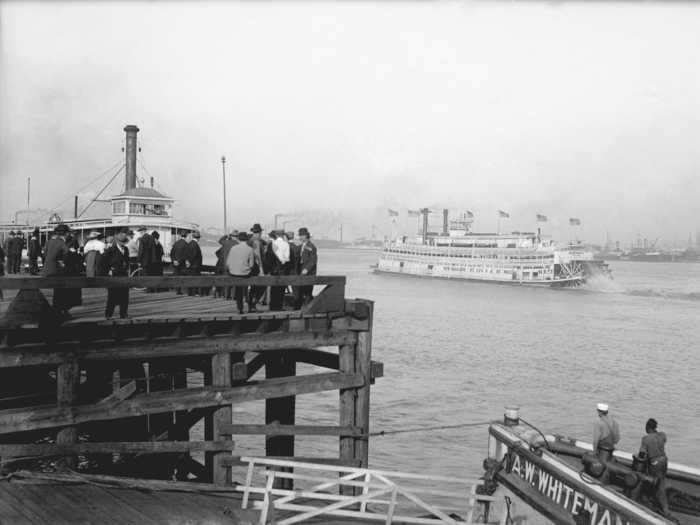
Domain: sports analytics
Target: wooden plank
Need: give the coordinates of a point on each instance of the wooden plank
(275, 429)
(42, 354)
(347, 410)
(168, 281)
(119, 395)
(17, 420)
(121, 447)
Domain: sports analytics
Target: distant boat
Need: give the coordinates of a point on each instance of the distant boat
(561, 479)
(135, 207)
(521, 258)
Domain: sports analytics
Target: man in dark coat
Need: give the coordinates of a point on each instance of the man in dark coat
(34, 251)
(307, 262)
(146, 253)
(256, 242)
(193, 262)
(2, 267)
(178, 257)
(11, 245)
(226, 242)
(116, 260)
(54, 265)
(156, 266)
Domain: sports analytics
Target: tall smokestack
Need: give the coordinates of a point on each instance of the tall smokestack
(131, 146)
(425, 212)
(445, 225)
(75, 212)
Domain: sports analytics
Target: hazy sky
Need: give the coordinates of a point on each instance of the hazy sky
(565, 109)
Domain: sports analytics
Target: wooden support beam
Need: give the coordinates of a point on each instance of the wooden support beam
(42, 354)
(280, 410)
(18, 420)
(67, 383)
(347, 409)
(221, 378)
(170, 281)
(276, 429)
(363, 367)
(131, 447)
(254, 365)
(317, 357)
(119, 395)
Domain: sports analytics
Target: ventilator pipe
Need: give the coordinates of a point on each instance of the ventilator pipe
(511, 417)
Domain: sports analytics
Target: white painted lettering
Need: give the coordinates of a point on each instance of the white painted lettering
(516, 465)
(544, 479)
(529, 472)
(568, 490)
(592, 507)
(605, 520)
(552, 488)
(578, 501)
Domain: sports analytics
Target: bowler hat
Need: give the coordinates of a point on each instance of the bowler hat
(304, 231)
(141, 229)
(155, 234)
(256, 228)
(124, 230)
(12, 232)
(94, 234)
(242, 236)
(196, 235)
(61, 228)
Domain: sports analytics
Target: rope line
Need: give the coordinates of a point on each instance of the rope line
(426, 429)
(101, 175)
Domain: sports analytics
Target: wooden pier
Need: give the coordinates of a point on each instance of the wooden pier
(114, 397)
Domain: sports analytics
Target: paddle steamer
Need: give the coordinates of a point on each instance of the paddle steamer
(522, 258)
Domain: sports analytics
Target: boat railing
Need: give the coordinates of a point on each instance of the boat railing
(360, 493)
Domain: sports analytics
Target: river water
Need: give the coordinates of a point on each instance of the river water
(457, 352)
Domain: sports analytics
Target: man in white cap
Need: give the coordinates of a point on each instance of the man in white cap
(606, 433)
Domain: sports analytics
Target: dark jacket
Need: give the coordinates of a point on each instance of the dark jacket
(222, 254)
(308, 258)
(56, 251)
(2, 262)
(178, 253)
(116, 260)
(34, 248)
(147, 251)
(193, 253)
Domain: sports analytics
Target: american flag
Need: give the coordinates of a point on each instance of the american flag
(574, 221)
(503, 214)
(541, 218)
(393, 213)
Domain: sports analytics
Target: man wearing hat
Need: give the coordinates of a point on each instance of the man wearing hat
(13, 249)
(54, 265)
(178, 256)
(308, 260)
(116, 263)
(34, 251)
(256, 242)
(606, 433)
(193, 262)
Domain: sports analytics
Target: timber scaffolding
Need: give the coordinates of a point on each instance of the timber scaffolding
(115, 393)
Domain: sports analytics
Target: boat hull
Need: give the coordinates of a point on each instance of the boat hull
(559, 283)
(551, 481)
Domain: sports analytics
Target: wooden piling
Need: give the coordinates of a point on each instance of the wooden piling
(363, 366)
(220, 377)
(280, 410)
(67, 383)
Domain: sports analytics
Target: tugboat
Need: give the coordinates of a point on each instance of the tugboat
(562, 480)
(520, 258)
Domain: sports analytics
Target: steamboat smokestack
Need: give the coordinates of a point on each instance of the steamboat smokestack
(131, 146)
(445, 223)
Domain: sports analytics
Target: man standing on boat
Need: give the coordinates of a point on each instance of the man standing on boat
(653, 449)
(606, 433)
(34, 251)
(116, 260)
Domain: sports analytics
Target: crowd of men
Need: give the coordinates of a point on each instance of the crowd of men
(241, 254)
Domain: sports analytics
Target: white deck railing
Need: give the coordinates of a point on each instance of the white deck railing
(391, 500)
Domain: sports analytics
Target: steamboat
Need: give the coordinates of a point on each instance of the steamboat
(138, 205)
(562, 480)
(522, 258)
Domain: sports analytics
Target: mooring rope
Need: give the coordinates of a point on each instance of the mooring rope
(427, 429)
